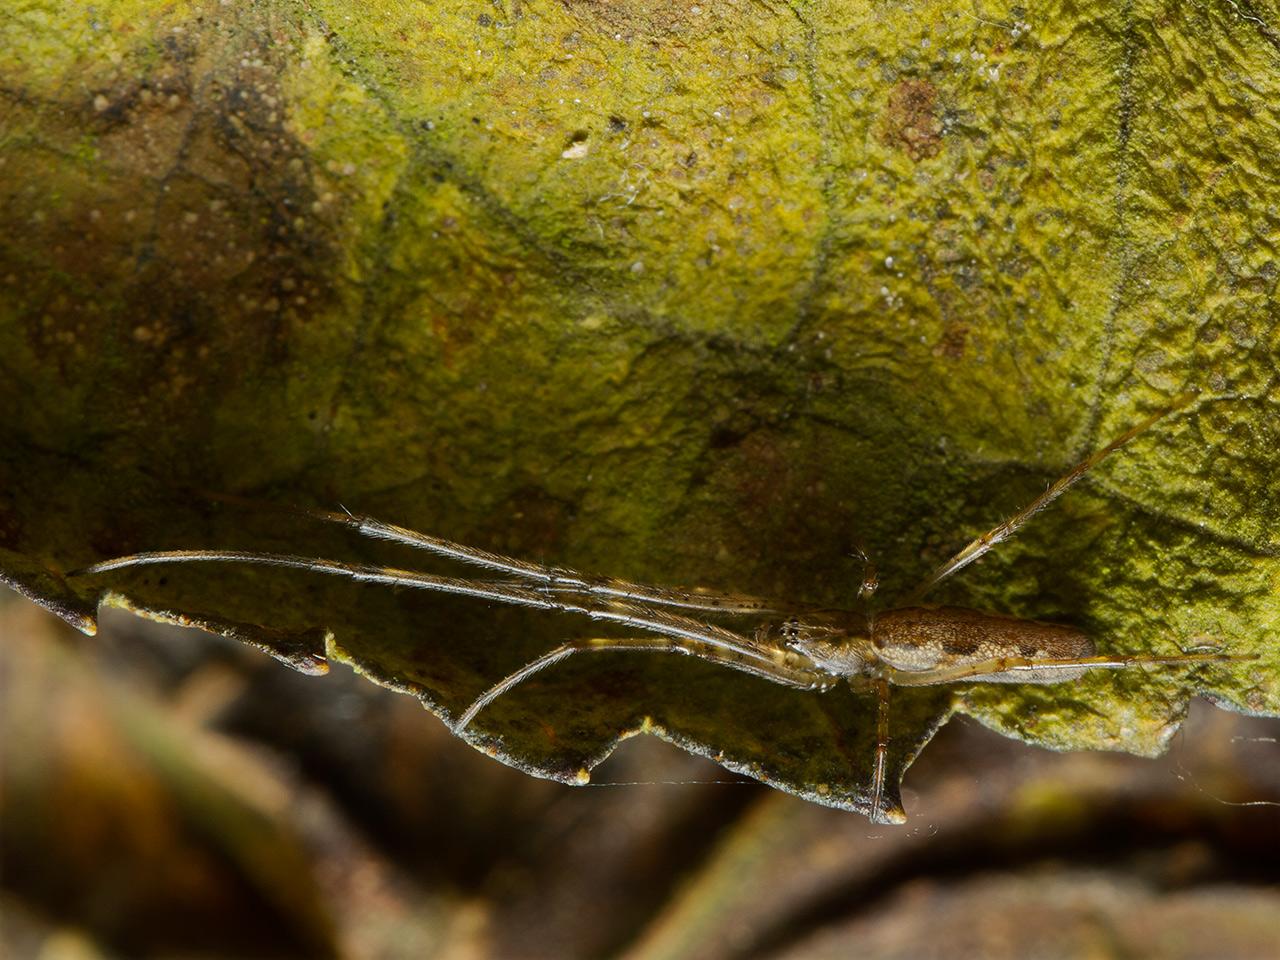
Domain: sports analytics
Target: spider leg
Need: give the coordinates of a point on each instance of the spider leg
(882, 751)
(773, 666)
(645, 618)
(552, 579)
(1007, 528)
(1045, 670)
(709, 601)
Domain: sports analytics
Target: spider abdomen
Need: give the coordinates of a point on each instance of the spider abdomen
(925, 639)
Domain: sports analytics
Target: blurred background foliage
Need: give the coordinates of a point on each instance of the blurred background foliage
(167, 793)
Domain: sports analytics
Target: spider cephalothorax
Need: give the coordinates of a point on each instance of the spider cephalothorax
(837, 642)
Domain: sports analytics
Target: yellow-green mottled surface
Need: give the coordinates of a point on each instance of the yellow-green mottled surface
(689, 293)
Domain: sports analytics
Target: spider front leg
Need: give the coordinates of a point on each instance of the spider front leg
(654, 619)
(552, 580)
(780, 666)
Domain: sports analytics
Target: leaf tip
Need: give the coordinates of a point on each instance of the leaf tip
(46, 587)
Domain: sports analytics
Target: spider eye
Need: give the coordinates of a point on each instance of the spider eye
(789, 632)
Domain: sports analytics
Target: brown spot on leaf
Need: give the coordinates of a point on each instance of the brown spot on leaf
(954, 337)
(910, 122)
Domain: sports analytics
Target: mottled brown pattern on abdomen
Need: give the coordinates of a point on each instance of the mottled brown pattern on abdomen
(921, 638)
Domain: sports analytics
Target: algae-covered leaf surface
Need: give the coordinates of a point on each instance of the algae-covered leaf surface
(706, 297)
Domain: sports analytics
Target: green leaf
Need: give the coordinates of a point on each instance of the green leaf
(703, 298)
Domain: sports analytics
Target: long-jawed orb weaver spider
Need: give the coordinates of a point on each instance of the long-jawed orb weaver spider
(807, 648)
